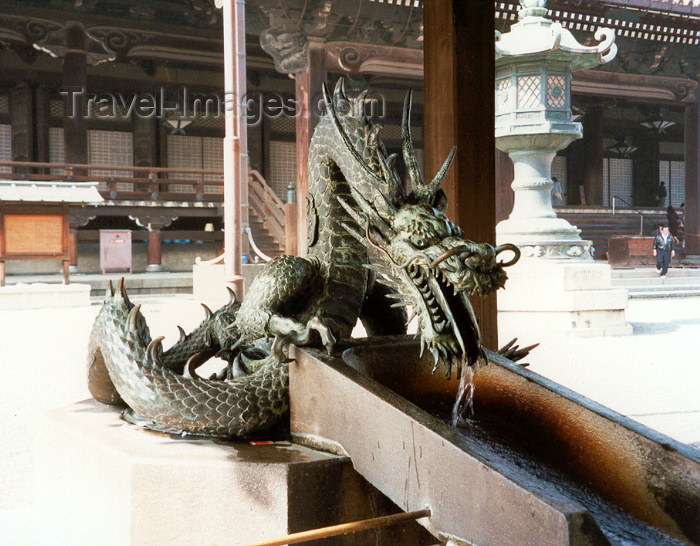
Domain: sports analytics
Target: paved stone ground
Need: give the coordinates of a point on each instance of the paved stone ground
(652, 376)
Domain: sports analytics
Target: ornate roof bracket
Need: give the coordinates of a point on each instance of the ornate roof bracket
(26, 30)
(118, 41)
(73, 37)
(289, 50)
(353, 58)
(153, 221)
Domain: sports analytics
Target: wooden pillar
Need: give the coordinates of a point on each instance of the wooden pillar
(692, 179)
(459, 72)
(73, 250)
(593, 153)
(308, 95)
(74, 90)
(645, 171)
(41, 124)
(21, 120)
(154, 251)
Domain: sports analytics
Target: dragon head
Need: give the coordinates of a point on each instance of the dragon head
(419, 252)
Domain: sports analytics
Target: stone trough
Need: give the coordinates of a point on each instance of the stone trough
(538, 464)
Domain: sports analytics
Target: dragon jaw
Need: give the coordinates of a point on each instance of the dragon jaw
(434, 269)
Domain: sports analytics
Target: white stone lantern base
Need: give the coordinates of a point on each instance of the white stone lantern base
(568, 298)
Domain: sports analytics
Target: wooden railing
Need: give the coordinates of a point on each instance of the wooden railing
(266, 204)
(147, 183)
(153, 184)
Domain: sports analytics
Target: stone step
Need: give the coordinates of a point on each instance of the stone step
(670, 280)
(651, 273)
(664, 284)
(646, 283)
(136, 283)
(664, 294)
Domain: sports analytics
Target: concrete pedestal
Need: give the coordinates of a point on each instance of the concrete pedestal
(40, 295)
(103, 481)
(570, 298)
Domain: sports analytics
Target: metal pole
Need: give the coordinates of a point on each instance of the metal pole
(241, 91)
(344, 528)
(232, 148)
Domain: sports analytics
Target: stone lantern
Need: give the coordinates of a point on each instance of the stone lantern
(557, 287)
(534, 62)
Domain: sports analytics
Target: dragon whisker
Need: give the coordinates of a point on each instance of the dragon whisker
(447, 254)
(508, 246)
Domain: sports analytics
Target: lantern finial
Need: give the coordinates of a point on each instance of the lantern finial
(532, 8)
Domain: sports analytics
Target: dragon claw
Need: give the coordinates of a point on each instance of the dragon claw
(327, 337)
(277, 350)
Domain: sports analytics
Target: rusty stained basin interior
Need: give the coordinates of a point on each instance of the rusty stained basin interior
(599, 458)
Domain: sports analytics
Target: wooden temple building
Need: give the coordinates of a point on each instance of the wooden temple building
(131, 95)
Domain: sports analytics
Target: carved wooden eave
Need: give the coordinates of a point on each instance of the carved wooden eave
(56, 43)
(27, 29)
(634, 86)
(369, 59)
(177, 54)
(42, 28)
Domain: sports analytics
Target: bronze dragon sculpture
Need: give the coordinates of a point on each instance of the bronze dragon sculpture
(358, 206)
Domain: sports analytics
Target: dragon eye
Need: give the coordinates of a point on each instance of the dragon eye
(419, 242)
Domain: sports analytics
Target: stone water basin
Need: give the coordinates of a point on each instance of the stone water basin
(537, 464)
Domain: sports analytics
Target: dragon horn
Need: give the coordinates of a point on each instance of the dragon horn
(409, 154)
(207, 311)
(340, 88)
(395, 188)
(326, 96)
(435, 182)
(359, 103)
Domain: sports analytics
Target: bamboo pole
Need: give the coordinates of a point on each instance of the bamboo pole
(344, 528)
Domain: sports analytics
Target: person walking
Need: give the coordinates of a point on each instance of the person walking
(664, 249)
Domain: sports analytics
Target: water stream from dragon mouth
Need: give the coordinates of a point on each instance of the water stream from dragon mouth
(463, 408)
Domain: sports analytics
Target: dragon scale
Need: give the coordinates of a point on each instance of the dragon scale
(357, 202)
